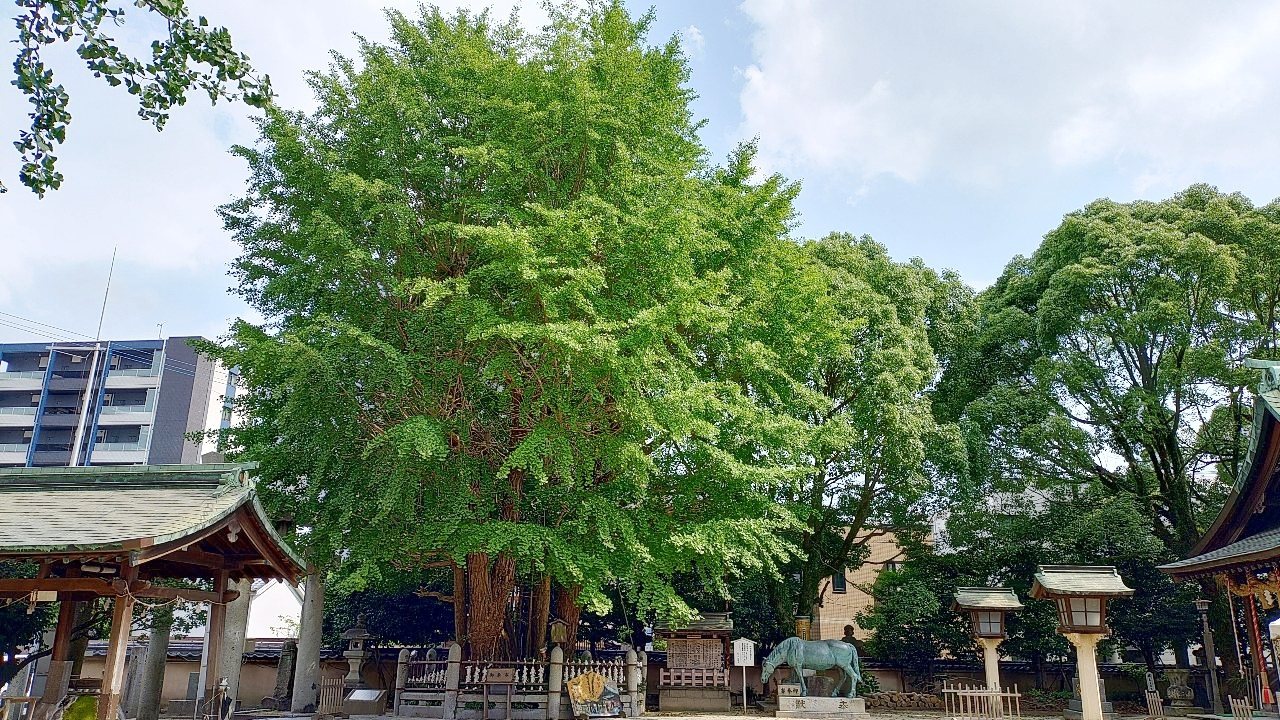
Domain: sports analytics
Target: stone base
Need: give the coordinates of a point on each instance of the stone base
(1074, 711)
(822, 708)
(694, 699)
(1184, 711)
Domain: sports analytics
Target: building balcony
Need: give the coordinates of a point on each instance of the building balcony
(14, 453)
(25, 380)
(133, 378)
(17, 416)
(130, 452)
(142, 414)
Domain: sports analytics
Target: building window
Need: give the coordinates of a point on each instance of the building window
(838, 584)
(891, 565)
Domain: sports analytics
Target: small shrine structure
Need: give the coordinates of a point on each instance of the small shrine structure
(112, 532)
(696, 674)
(1241, 549)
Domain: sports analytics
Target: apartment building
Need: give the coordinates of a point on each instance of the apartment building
(843, 596)
(118, 402)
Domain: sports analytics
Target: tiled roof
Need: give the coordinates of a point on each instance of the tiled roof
(1078, 580)
(986, 598)
(113, 509)
(717, 622)
(1260, 543)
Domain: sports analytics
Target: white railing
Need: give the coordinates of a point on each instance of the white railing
(119, 446)
(530, 675)
(14, 447)
(30, 374)
(24, 410)
(135, 372)
(146, 407)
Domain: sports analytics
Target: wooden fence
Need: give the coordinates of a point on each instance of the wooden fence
(453, 689)
(331, 694)
(973, 702)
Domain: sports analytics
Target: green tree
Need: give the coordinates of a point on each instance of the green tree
(494, 266)
(193, 56)
(1102, 358)
(868, 445)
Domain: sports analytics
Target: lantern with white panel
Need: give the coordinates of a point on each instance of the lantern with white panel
(1081, 593)
(987, 607)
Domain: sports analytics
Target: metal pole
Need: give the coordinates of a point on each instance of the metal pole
(744, 688)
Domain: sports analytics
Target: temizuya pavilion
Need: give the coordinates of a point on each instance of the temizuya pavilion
(112, 531)
(1241, 550)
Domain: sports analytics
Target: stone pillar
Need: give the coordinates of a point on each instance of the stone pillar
(633, 672)
(306, 678)
(1087, 661)
(284, 673)
(117, 646)
(452, 681)
(555, 683)
(151, 672)
(402, 679)
(991, 660)
(233, 637)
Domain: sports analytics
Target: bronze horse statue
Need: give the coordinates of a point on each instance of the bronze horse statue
(800, 655)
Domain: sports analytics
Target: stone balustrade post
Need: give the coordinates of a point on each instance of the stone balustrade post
(633, 672)
(402, 679)
(555, 683)
(452, 681)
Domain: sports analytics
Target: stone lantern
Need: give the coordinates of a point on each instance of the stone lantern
(1081, 593)
(356, 653)
(987, 607)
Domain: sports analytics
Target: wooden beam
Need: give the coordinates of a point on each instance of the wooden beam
(11, 587)
(117, 646)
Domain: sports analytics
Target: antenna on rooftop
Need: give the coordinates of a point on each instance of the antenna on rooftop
(105, 293)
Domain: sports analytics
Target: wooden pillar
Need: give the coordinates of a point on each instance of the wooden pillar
(117, 646)
(214, 631)
(59, 676)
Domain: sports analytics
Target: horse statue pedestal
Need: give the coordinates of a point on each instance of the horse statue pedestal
(822, 708)
(794, 699)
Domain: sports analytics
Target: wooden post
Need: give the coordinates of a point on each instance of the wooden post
(452, 681)
(59, 677)
(402, 679)
(214, 631)
(555, 683)
(117, 646)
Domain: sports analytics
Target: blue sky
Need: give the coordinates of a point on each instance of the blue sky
(957, 132)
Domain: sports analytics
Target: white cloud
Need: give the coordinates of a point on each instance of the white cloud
(692, 41)
(981, 92)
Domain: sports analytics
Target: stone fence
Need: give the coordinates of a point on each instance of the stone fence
(453, 689)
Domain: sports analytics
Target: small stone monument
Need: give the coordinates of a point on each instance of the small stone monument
(1180, 694)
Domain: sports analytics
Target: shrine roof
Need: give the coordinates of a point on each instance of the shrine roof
(986, 598)
(1080, 580)
(707, 623)
(1246, 532)
(144, 512)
